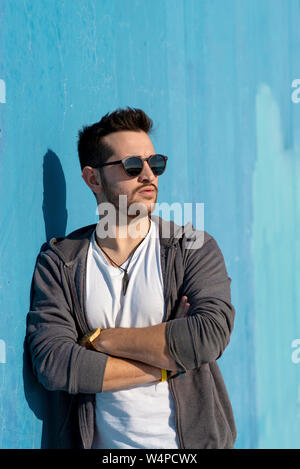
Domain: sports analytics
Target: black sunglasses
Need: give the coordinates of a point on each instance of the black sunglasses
(133, 165)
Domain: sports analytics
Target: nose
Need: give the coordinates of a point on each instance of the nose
(146, 173)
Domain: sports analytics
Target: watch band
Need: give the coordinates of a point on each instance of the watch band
(93, 337)
(87, 339)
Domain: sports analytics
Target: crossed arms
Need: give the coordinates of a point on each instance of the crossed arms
(141, 353)
(127, 356)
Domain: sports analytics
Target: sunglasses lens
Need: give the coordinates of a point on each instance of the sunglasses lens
(157, 164)
(134, 165)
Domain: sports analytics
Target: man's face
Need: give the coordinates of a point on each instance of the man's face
(116, 182)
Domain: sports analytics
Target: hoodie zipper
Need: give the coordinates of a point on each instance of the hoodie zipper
(83, 330)
(170, 264)
(177, 419)
(171, 254)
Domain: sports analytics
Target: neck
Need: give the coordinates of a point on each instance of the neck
(122, 238)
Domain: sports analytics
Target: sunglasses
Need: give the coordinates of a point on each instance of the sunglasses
(133, 165)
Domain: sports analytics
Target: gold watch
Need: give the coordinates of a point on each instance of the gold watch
(87, 339)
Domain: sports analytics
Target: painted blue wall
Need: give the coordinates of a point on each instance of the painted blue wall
(216, 77)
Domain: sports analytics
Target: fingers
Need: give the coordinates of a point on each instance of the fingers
(185, 305)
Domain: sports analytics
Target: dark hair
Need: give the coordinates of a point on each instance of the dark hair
(92, 151)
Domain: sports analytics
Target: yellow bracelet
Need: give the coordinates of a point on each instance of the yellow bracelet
(92, 337)
(95, 334)
(164, 375)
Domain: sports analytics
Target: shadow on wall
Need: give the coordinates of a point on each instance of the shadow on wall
(40, 401)
(54, 201)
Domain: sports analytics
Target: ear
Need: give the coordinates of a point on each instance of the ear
(92, 178)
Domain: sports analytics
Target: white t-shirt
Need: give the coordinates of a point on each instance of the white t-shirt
(141, 416)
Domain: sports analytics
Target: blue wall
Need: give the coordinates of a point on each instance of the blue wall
(216, 77)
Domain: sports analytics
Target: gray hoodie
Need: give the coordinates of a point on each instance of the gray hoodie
(192, 265)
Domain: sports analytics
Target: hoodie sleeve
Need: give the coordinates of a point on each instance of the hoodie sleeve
(58, 361)
(204, 334)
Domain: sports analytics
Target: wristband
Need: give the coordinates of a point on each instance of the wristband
(87, 340)
(164, 375)
(92, 337)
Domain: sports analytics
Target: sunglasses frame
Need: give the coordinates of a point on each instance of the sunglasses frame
(122, 162)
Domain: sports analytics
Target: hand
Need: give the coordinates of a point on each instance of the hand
(183, 307)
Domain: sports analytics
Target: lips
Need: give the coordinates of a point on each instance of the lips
(147, 193)
(147, 190)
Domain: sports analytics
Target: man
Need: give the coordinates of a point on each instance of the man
(128, 316)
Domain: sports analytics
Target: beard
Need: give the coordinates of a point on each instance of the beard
(126, 206)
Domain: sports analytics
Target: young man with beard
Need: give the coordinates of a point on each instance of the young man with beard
(128, 316)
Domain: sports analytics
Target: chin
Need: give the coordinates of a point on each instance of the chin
(147, 206)
(151, 207)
